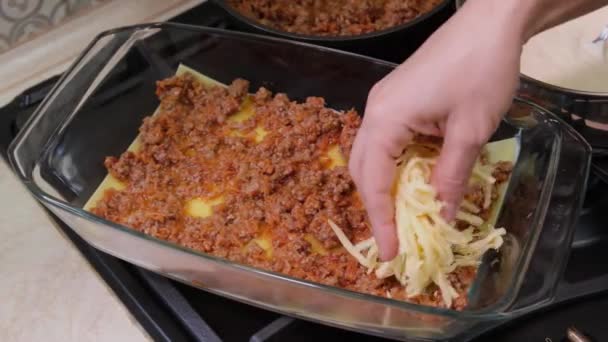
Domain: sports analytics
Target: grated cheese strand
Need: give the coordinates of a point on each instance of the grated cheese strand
(470, 207)
(347, 244)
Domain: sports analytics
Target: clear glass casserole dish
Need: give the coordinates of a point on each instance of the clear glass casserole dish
(96, 108)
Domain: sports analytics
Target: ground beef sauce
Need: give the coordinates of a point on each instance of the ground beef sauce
(333, 18)
(278, 186)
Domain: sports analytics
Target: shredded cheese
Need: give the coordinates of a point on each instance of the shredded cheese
(429, 247)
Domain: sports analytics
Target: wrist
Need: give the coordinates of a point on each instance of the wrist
(517, 18)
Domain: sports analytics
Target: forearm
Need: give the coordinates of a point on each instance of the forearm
(544, 14)
(527, 18)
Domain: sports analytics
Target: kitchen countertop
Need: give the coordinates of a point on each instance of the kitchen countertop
(48, 291)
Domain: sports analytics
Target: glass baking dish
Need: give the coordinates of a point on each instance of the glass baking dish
(96, 108)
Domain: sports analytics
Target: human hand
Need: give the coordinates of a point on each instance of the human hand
(458, 85)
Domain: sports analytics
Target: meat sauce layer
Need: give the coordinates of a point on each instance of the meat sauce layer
(333, 18)
(254, 178)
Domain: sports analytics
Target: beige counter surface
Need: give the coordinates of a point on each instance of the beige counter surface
(48, 291)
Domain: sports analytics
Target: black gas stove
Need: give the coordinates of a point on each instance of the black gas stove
(172, 311)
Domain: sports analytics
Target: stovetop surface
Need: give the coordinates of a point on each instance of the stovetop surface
(171, 311)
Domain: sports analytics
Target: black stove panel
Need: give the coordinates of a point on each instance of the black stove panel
(171, 311)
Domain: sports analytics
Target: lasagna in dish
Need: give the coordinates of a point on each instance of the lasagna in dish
(259, 179)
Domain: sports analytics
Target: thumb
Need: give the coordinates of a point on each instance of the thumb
(461, 147)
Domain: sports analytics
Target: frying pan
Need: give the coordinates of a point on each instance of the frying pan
(394, 44)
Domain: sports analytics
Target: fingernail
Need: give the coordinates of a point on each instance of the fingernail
(384, 256)
(387, 251)
(449, 211)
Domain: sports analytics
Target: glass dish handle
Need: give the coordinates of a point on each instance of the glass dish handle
(64, 100)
